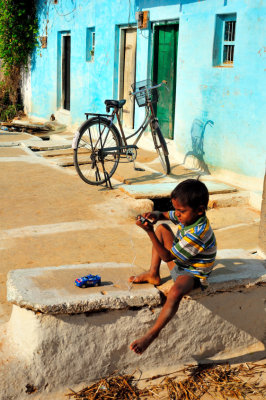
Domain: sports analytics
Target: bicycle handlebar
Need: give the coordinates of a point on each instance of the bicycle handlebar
(149, 88)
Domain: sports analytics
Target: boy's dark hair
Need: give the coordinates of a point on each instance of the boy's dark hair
(192, 193)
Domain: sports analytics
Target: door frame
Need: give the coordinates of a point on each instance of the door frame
(156, 24)
(60, 35)
(122, 36)
(63, 72)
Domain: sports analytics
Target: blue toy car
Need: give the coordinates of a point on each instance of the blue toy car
(88, 281)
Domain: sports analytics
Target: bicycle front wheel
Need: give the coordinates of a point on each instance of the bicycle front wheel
(94, 163)
(161, 148)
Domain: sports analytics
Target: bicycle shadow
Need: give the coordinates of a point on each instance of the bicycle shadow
(197, 140)
(146, 178)
(188, 175)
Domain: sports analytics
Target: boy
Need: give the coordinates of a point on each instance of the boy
(190, 254)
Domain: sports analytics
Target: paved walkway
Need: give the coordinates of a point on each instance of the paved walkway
(50, 217)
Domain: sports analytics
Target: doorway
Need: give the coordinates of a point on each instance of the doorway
(128, 44)
(66, 53)
(164, 68)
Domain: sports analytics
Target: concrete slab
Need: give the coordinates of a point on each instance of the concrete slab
(51, 145)
(15, 139)
(234, 268)
(164, 189)
(238, 266)
(209, 327)
(52, 289)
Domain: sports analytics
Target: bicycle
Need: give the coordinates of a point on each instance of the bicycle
(99, 145)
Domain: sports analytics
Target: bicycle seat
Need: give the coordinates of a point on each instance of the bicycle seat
(114, 103)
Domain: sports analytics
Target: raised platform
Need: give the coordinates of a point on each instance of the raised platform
(51, 290)
(60, 335)
(164, 189)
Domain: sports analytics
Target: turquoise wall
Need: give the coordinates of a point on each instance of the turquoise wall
(91, 82)
(232, 98)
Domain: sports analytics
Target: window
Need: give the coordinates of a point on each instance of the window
(224, 40)
(90, 44)
(229, 42)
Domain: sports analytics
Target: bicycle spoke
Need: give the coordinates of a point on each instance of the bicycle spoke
(93, 164)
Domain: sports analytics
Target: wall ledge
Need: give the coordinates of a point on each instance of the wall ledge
(51, 290)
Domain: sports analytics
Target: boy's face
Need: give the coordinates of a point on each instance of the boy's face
(185, 214)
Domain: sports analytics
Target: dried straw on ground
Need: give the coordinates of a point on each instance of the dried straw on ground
(219, 381)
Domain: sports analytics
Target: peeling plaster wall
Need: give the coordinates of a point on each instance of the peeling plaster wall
(233, 98)
(68, 349)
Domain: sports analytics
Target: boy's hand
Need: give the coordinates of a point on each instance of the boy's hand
(153, 215)
(144, 223)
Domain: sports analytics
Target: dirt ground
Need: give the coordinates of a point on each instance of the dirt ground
(43, 209)
(45, 212)
(257, 375)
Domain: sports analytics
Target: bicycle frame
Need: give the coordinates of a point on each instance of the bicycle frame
(148, 119)
(149, 116)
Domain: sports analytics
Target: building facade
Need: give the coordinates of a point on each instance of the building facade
(211, 53)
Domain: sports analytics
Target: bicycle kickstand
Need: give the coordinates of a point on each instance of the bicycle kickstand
(107, 177)
(107, 181)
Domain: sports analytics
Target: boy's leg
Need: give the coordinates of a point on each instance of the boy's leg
(166, 236)
(182, 286)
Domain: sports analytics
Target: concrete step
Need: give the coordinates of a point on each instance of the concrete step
(164, 189)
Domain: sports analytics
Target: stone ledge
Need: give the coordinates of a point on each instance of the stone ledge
(84, 346)
(234, 268)
(51, 290)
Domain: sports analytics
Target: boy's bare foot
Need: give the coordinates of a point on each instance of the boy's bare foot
(145, 277)
(140, 345)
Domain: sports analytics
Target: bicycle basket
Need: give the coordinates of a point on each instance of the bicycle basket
(146, 95)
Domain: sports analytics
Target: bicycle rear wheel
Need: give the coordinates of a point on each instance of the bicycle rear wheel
(161, 147)
(93, 164)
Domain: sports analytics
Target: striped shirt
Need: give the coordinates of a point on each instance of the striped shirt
(195, 245)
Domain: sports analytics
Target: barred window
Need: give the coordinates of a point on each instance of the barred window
(90, 44)
(224, 40)
(229, 42)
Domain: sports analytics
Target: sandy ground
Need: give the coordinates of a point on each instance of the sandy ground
(43, 208)
(148, 381)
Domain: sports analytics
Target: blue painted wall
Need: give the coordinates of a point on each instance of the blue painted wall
(233, 98)
(91, 82)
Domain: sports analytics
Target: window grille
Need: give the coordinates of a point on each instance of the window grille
(229, 42)
(90, 44)
(224, 40)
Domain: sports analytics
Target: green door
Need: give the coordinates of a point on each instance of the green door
(164, 68)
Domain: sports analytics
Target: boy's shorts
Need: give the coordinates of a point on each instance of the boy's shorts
(177, 271)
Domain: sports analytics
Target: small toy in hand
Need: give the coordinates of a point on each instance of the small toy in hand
(88, 281)
(142, 219)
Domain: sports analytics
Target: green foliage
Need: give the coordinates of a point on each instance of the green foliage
(9, 108)
(8, 113)
(18, 39)
(18, 32)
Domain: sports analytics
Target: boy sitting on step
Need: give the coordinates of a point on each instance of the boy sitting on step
(190, 254)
